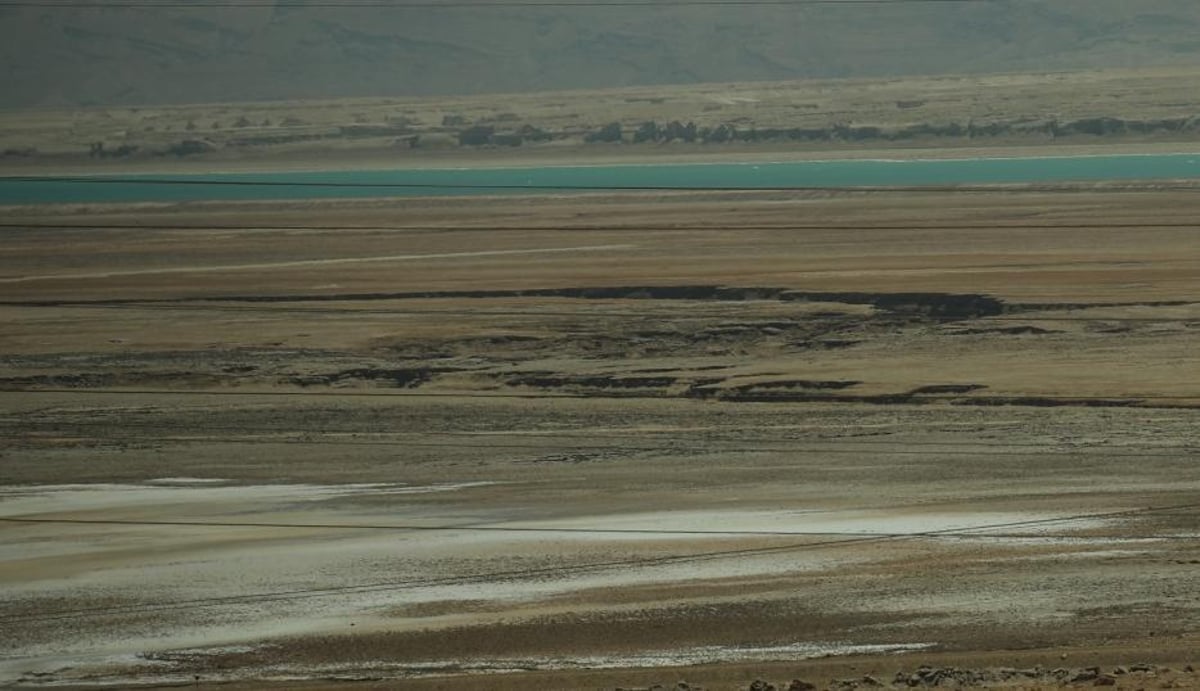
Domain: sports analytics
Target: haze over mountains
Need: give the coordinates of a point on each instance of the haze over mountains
(64, 56)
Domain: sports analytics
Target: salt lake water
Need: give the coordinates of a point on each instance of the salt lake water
(517, 180)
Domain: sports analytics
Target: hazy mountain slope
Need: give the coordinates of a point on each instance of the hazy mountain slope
(61, 56)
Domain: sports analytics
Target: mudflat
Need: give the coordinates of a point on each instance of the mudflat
(604, 441)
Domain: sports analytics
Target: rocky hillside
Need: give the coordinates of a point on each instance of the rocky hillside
(56, 56)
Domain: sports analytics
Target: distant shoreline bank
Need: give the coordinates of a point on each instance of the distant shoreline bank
(585, 155)
(1038, 114)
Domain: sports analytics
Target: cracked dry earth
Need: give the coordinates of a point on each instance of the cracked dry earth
(836, 438)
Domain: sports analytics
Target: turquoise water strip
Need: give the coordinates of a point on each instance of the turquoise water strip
(474, 181)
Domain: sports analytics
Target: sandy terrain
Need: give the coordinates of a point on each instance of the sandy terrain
(603, 442)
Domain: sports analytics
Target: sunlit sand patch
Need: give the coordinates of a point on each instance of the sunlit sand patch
(723, 523)
(171, 667)
(18, 500)
(186, 481)
(713, 654)
(372, 575)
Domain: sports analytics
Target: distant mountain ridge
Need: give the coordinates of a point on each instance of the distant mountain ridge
(67, 56)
